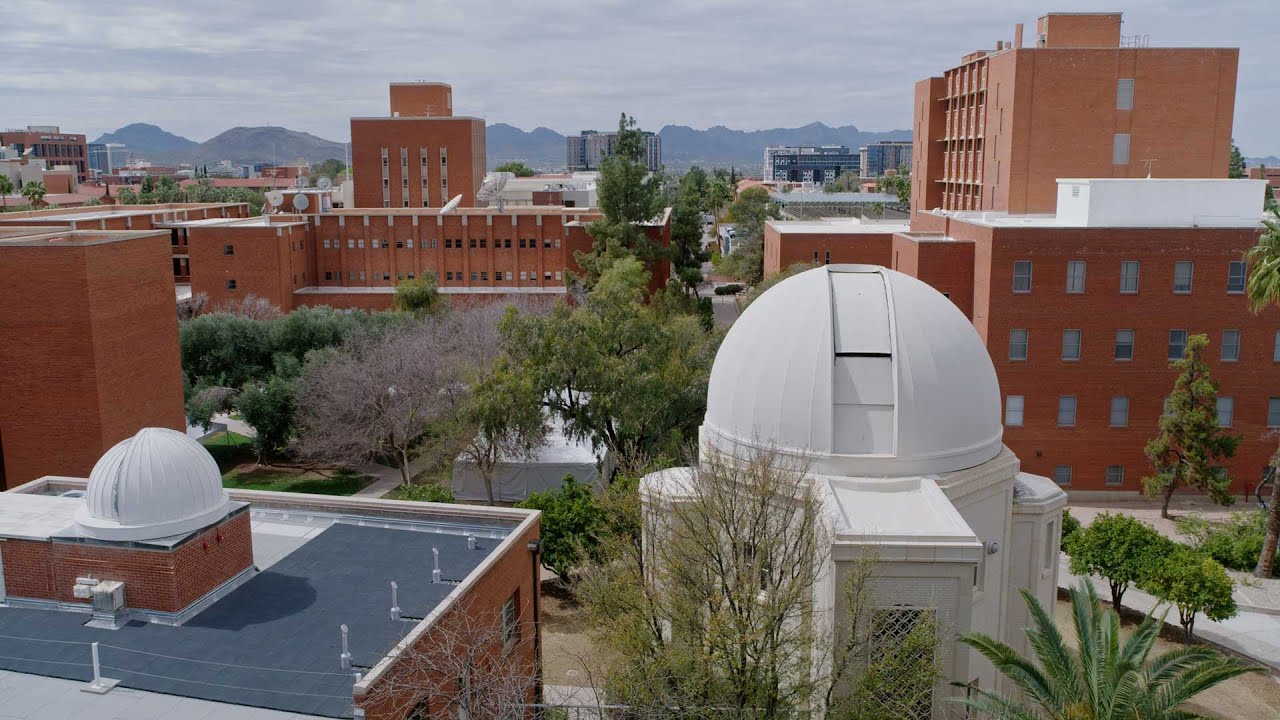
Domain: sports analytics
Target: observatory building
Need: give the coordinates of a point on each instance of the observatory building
(881, 389)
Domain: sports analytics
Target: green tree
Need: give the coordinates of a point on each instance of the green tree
(501, 420)
(1235, 164)
(127, 196)
(686, 250)
(330, 168)
(847, 181)
(898, 183)
(517, 167)
(759, 288)
(1070, 526)
(719, 194)
(1195, 584)
(749, 213)
(571, 525)
(629, 197)
(615, 370)
(6, 188)
(268, 408)
(1190, 447)
(420, 296)
(1263, 289)
(34, 192)
(1102, 676)
(1117, 548)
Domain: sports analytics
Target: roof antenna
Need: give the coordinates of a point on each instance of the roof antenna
(395, 606)
(345, 658)
(435, 565)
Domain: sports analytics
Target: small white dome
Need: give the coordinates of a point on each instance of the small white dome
(155, 484)
(861, 370)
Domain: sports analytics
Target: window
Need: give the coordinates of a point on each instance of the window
(327, 243)
(484, 243)
(524, 275)
(1273, 412)
(1075, 276)
(1182, 271)
(1230, 345)
(328, 274)
(1275, 354)
(1235, 276)
(1070, 344)
(1067, 411)
(1062, 474)
(546, 275)
(1226, 411)
(1177, 344)
(1124, 345)
(472, 244)
(351, 244)
(506, 243)
(474, 275)
(400, 244)
(448, 275)
(1120, 149)
(508, 277)
(231, 284)
(386, 277)
(228, 249)
(511, 620)
(360, 243)
(407, 243)
(1018, 344)
(375, 243)
(1115, 475)
(1129, 276)
(524, 242)
(1124, 94)
(828, 260)
(1013, 406)
(1021, 276)
(484, 274)
(1168, 407)
(1120, 411)
(546, 243)
(558, 275)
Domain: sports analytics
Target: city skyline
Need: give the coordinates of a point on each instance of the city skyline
(252, 65)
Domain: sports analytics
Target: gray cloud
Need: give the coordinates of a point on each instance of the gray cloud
(200, 67)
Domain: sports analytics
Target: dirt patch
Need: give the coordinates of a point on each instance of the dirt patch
(567, 650)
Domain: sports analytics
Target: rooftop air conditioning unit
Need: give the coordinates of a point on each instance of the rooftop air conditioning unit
(109, 612)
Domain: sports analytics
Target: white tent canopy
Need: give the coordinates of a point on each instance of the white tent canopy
(515, 478)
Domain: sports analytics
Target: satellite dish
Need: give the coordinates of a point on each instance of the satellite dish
(301, 182)
(324, 183)
(300, 202)
(451, 205)
(276, 198)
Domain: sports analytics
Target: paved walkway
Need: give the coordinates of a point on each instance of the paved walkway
(1256, 635)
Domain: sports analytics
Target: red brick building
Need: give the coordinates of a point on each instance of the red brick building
(51, 144)
(420, 156)
(998, 130)
(88, 346)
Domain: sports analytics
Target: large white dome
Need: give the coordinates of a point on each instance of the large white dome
(861, 370)
(155, 484)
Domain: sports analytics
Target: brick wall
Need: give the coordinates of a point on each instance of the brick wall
(782, 250)
(265, 261)
(160, 580)
(458, 136)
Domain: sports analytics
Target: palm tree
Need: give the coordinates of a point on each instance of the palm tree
(6, 187)
(1104, 676)
(34, 192)
(1263, 289)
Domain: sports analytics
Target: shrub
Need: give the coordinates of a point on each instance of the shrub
(730, 289)
(1118, 548)
(1194, 583)
(1236, 543)
(571, 524)
(1070, 526)
(424, 493)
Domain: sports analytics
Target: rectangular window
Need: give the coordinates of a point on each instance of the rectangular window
(1226, 411)
(328, 275)
(1177, 344)
(231, 284)
(524, 242)
(1120, 411)
(1018, 344)
(408, 243)
(508, 275)
(828, 260)
(1075, 276)
(1067, 411)
(523, 276)
(1115, 475)
(484, 243)
(1013, 408)
(1021, 276)
(1120, 149)
(1230, 345)
(1182, 271)
(1070, 344)
(1124, 94)
(326, 243)
(474, 276)
(1236, 270)
(546, 275)
(1062, 474)
(1124, 345)
(1129, 276)
(351, 243)
(400, 243)
(228, 249)
(546, 243)
(511, 620)
(360, 243)
(1273, 412)
(375, 243)
(484, 274)
(472, 243)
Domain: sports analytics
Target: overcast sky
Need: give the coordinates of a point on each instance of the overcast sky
(197, 68)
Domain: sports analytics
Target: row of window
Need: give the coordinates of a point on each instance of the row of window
(1130, 270)
(1064, 474)
(430, 243)
(483, 275)
(1072, 339)
(1015, 410)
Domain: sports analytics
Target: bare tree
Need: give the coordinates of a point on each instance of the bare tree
(193, 306)
(471, 664)
(251, 306)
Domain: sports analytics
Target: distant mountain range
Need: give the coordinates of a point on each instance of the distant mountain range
(540, 148)
(1269, 161)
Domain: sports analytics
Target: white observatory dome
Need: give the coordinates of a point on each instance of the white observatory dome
(860, 370)
(155, 484)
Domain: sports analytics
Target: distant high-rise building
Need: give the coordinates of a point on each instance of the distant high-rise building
(809, 163)
(49, 143)
(885, 155)
(997, 131)
(585, 150)
(105, 157)
(420, 156)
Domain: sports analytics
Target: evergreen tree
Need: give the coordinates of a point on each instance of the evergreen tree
(1235, 166)
(686, 250)
(1191, 446)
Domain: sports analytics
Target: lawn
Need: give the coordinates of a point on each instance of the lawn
(240, 471)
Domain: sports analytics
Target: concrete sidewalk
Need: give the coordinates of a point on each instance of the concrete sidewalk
(1255, 635)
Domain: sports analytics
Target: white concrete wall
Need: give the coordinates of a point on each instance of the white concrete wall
(1159, 202)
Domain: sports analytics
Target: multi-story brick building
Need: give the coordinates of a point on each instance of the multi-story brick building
(998, 130)
(420, 156)
(88, 346)
(51, 144)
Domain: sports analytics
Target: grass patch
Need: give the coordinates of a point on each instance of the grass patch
(229, 450)
(343, 482)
